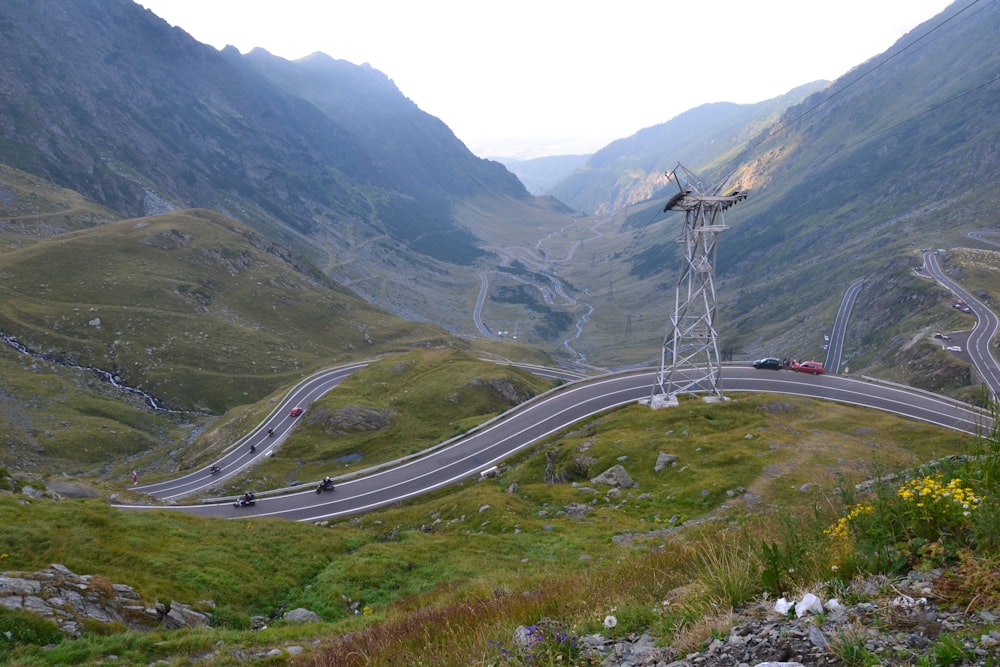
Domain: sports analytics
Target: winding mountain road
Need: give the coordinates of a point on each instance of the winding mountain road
(238, 456)
(497, 440)
(985, 330)
(556, 410)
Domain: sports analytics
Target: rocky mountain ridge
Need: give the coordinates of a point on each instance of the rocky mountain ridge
(323, 156)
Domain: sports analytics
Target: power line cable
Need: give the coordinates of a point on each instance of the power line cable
(923, 113)
(842, 89)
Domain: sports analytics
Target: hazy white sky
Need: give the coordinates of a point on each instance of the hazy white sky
(525, 78)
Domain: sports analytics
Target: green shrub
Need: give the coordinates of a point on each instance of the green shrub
(925, 519)
(21, 627)
(226, 617)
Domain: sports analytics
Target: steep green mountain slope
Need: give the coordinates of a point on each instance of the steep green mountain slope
(192, 307)
(32, 208)
(899, 154)
(902, 153)
(322, 156)
(630, 170)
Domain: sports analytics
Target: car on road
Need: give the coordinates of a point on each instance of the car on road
(814, 367)
(772, 363)
(295, 412)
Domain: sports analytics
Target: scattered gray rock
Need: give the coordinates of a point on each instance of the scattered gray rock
(301, 615)
(577, 510)
(71, 489)
(505, 389)
(664, 460)
(616, 475)
(32, 492)
(354, 419)
(776, 407)
(183, 616)
(761, 637)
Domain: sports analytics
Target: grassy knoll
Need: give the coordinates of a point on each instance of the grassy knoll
(395, 407)
(438, 578)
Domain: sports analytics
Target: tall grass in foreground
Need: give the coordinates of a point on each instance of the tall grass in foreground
(442, 582)
(681, 587)
(685, 589)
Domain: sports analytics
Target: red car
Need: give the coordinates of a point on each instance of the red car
(814, 367)
(296, 411)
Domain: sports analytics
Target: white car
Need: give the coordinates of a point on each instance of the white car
(954, 348)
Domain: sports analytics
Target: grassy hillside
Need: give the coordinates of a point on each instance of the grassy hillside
(32, 208)
(445, 574)
(191, 307)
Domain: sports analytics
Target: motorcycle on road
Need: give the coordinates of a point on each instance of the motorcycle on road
(248, 499)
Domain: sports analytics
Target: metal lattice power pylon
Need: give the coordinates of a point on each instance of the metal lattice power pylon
(690, 360)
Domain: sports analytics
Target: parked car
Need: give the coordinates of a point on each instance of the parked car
(772, 363)
(942, 336)
(814, 367)
(295, 412)
(954, 348)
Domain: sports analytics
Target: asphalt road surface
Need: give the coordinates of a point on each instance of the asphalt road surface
(978, 344)
(497, 440)
(835, 349)
(558, 409)
(239, 456)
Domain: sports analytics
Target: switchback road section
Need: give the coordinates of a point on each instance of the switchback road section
(982, 334)
(239, 455)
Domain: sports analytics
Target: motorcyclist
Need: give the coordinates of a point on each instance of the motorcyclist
(253, 448)
(270, 432)
(215, 469)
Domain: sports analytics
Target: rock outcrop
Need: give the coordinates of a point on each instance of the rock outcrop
(616, 475)
(70, 600)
